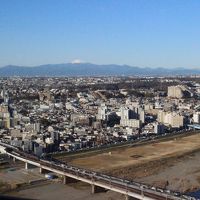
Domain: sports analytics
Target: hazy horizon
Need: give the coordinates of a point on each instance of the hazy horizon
(99, 65)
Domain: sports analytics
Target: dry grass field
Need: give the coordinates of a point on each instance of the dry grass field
(172, 164)
(130, 156)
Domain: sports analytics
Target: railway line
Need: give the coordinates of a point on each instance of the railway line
(96, 179)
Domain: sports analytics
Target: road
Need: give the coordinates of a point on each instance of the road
(130, 188)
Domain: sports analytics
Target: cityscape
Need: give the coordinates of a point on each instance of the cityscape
(56, 118)
(99, 100)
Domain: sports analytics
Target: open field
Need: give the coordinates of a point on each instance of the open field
(181, 174)
(59, 191)
(171, 164)
(14, 181)
(155, 164)
(97, 150)
(116, 159)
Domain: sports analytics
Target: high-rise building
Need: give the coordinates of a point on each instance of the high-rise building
(5, 96)
(196, 117)
(134, 123)
(102, 110)
(172, 119)
(159, 128)
(178, 91)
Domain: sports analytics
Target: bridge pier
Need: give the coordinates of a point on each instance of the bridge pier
(43, 171)
(67, 179)
(27, 166)
(97, 189)
(14, 159)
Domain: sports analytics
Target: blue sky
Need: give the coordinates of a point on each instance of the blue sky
(153, 33)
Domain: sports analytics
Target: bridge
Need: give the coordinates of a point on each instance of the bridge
(98, 181)
(195, 126)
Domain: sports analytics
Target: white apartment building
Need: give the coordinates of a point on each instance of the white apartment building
(178, 91)
(196, 117)
(170, 119)
(175, 91)
(102, 110)
(134, 123)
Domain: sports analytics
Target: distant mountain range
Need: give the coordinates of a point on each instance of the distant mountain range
(88, 69)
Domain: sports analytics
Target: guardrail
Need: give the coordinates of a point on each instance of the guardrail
(130, 188)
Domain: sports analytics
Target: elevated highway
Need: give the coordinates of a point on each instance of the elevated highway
(98, 181)
(194, 126)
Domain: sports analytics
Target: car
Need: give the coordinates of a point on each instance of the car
(178, 194)
(153, 188)
(160, 190)
(168, 191)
